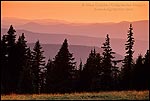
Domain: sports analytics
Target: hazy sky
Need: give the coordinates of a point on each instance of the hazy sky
(77, 11)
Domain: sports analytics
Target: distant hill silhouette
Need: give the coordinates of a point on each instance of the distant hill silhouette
(115, 30)
(118, 45)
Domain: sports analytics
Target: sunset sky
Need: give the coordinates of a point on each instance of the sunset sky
(77, 11)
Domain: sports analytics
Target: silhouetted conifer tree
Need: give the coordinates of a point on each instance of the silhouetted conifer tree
(12, 71)
(90, 74)
(107, 78)
(20, 57)
(128, 63)
(38, 67)
(64, 67)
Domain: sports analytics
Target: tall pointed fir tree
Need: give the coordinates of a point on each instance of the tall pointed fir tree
(64, 67)
(24, 66)
(38, 68)
(128, 62)
(13, 73)
(21, 49)
(106, 81)
(90, 74)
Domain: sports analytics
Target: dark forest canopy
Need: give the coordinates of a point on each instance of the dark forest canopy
(24, 70)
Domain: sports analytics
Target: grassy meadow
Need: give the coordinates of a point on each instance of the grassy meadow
(111, 95)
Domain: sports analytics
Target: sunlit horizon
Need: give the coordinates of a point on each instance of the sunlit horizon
(77, 12)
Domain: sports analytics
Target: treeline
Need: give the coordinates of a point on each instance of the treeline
(24, 70)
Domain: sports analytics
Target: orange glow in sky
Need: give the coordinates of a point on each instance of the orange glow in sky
(77, 11)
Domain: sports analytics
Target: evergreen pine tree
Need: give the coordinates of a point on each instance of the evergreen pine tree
(12, 72)
(91, 71)
(38, 67)
(21, 49)
(128, 61)
(64, 67)
(107, 65)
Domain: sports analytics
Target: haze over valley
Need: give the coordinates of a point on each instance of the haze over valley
(115, 30)
(89, 35)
